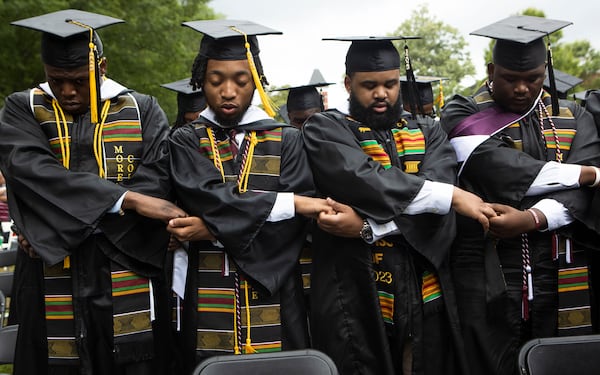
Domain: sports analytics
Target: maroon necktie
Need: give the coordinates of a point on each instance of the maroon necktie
(233, 142)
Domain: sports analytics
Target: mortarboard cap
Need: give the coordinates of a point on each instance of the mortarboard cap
(65, 38)
(306, 96)
(564, 82)
(423, 86)
(224, 39)
(69, 40)
(519, 40)
(188, 99)
(582, 96)
(372, 53)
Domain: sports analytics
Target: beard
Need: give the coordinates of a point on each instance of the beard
(233, 121)
(375, 120)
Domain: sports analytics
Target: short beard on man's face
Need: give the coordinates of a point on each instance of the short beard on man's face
(233, 121)
(368, 116)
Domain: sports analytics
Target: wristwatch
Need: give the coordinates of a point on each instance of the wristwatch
(366, 232)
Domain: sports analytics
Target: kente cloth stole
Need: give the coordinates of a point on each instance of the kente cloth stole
(574, 315)
(122, 133)
(409, 142)
(122, 151)
(222, 311)
(386, 256)
(266, 160)
(131, 311)
(222, 319)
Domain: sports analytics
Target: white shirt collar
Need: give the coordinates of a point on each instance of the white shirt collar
(252, 114)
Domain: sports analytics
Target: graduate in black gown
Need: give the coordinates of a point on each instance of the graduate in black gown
(533, 154)
(87, 175)
(245, 181)
(303, 101)
(190, 102)
(381, 296)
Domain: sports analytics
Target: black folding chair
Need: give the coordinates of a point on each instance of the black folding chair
(560, 356)
(293, 362)
(6, 281)
(8, 341)
(8, 257)
(2, 308)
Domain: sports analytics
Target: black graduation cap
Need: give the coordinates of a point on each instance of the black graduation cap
(69, 40)
(234, 40)
(372, 53)
(225, 39)
(188, 99)
(306, 96)
(582, 96)
(564, 82)
(520, 45)
(424, 90)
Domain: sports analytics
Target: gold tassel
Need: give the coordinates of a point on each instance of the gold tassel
(92, 73)
(264, 98)
(440, 98)
(93, 83)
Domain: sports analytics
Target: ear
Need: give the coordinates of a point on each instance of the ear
(102, 66)
(490, 71)
(348, 83)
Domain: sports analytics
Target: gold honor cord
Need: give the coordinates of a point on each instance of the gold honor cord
(61, 124)
(248, 349)
(246, 163)
(215, 151)
(99, 140)
(264, 98)
(92, 72)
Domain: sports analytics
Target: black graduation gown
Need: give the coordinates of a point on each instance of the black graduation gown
(267, 253)
(64, 212)
(346, 319)
(489, 297)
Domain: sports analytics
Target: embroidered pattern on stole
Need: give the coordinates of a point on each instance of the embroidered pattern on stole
(217, 311)
(409, 142)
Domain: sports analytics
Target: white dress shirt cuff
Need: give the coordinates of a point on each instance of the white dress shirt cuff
(434, 197)
(553, 177)
(556, 213)
(382, 230)
(283, 208)
(117, 206)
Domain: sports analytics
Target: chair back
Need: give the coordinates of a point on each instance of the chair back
(560, 355)
(8, 342)
(8, 257)
(6, 282)
(293, 362)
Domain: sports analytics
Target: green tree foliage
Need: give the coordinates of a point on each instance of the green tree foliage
(279, 98)
(151, 48)
(441, 52)
(577, 58)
